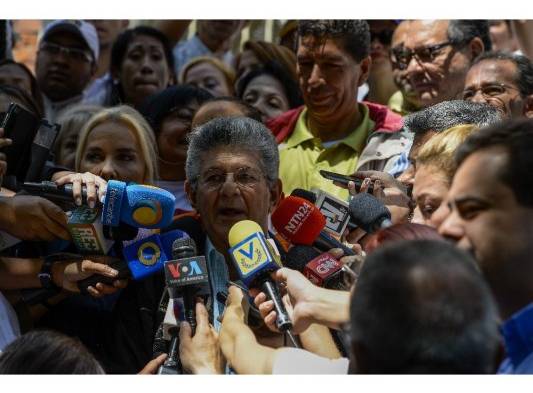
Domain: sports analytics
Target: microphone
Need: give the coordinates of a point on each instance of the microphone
(369, 213)
(186, 276)
(87, 231)
(137, 205)
(323, 270)
(140, 206)
(51, 191)
(142, 258)
(254, 263)
(335, 211)
(40, 149)
(300, 222)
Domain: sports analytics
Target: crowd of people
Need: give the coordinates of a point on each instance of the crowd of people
(427, 124)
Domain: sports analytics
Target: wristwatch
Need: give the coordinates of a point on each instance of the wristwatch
(45, 275)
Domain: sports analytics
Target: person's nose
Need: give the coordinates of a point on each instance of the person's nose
(316, 78)
(478, 97)
(146, 65)
(229, 188)
(451, 227)
(107, 170)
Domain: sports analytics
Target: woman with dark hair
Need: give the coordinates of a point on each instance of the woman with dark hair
(170, 114)
(269, 89)
(18, 75)
(141, 65)
(257, 53)
(47, 352)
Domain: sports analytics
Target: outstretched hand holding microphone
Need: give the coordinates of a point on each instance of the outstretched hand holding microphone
(305, 302)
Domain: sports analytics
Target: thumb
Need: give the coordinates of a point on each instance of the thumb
(99, 268)
(185, 332)
(152, 366)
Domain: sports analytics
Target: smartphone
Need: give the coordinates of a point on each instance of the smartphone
(20, 125)
(343, 179)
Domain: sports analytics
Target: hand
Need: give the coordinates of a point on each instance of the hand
(96, 187)
(153, 365)
(200, 354)
(299, 294)
(33, 218)
(353, 262)
(387, 189)
(66, 275)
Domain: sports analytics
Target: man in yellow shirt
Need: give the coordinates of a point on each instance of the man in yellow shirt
(333, 131)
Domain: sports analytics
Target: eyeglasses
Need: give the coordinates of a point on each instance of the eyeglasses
(426, 54)
(488, 91)
(247, 178)
(74, 54)
(383, 36)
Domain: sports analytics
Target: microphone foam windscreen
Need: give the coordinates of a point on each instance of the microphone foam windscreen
(366, 210)
(305, 194)
(298, 220)
(183, 247)
(298, 256)
(148, 206)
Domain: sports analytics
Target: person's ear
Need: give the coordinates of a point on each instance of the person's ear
(275, 194)
(191, 193)
(476, 47)
(528, 106)
(365, 66)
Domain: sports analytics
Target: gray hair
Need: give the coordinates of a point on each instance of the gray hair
(449, 114)
(462, 31)
(241, 133)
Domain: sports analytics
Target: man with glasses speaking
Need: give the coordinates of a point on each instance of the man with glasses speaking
(66, 62)
(502, 80)
(436, 55)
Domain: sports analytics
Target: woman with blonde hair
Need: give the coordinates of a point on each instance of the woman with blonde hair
(435, 167)
(117, 143)
(209, 73)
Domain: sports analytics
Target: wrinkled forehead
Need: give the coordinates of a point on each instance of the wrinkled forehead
(491, 71)
(425, 32)
(228, 158)
(320, 46)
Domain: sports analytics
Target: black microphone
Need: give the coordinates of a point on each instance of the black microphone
(40, 149)
(51, 191)
(172, 365)
(369, 213)
(187, 277)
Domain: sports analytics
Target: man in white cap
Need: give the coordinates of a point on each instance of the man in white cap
(66, 62)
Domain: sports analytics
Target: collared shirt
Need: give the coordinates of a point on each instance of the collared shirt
(218, 279)
(194, 47)
(398, 104)
(303, 155)
(518, 337)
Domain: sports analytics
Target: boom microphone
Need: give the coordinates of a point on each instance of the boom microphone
(254, 263)
(300, 222)
(369, 213)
